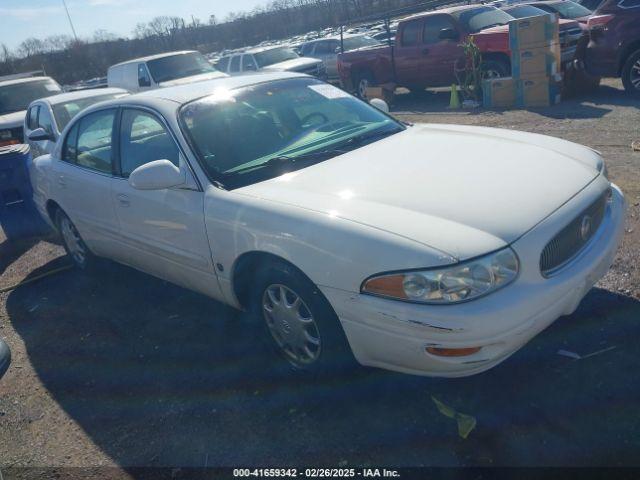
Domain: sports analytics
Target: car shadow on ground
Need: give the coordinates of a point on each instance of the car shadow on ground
(588, 105)
(157, 375)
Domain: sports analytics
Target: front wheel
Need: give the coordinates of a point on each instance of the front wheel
(363, 81)
(298, 321)
(631, 74)
(75, 247)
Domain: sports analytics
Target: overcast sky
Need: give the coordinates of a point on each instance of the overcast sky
(20, 19)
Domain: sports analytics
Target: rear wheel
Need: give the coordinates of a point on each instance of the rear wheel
(495, 68)
(75, 247)
(298, 322)
(363, 80)
(631, 74)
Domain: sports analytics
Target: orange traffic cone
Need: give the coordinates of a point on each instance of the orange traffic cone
(454, 103)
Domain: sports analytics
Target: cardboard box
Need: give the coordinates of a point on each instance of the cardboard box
(499, 92)
(535, 61)
(533, 32)
(384, 92)
(538, 91)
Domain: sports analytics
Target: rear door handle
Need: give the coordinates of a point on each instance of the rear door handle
(123, 200)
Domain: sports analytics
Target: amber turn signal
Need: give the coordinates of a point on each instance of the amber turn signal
(453, 352)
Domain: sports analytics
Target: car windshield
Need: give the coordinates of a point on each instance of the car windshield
(179, 66)
(64, 112)
(18, 96)
(354, 43)
(275, 55)
(480, 18)
(571, 10)
(522, 11)
(292, 124)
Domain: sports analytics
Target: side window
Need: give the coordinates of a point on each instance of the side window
(144, 139)
(235, 64)
(144, 80)
(433, 26)
(323, 48)
(45, 121)
(95, 141)
(629, 3)
(307, 49)
(222, 64)
(248, 63)
(70, 148)
(411, 33)
(32, 119)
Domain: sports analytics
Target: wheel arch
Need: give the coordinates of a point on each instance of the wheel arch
(52, 207)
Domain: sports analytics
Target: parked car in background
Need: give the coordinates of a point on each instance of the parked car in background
(570, 31)
(159, 71)
(271, 59)
(342, 230)
(613, 46)
(565, 9)
(47, 117)
(590, 4)
(327, 49)
(15, 97)
(428, 47)
(385, 37)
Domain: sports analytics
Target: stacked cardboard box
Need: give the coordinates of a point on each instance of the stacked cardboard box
(535, 65)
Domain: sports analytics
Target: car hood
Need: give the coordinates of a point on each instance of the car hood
(12, 120)
(194, 78)
(293, 65)
(462, 190)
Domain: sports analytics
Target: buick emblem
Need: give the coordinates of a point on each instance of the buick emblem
(585, 227)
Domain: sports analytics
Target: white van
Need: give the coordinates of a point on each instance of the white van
(162, 70)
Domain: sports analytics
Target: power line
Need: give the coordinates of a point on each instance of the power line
(70, 22)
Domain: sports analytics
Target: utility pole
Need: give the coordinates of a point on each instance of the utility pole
(70, 22)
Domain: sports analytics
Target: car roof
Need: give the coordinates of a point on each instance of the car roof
(459, 8)
(17, 81)
(337, 37)
(80, 94)
(153, 57)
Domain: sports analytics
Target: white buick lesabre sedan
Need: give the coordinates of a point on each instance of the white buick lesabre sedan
(434, 249)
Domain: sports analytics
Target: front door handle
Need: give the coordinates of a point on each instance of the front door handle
(123, 200)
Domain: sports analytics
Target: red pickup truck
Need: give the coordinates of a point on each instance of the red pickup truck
(427, 48)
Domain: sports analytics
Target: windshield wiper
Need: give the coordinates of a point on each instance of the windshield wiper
(286, 160)
(364, 138)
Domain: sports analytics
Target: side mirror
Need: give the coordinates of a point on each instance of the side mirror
(5, 358)
(156, 175)
(380, 104)
(448, 34)
(40, 134)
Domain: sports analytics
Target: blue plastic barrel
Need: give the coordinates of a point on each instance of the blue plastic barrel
(18, 215)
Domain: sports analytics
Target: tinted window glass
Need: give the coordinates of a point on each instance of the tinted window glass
(307, 48)
(411, 34)
(95, 141)
(64, 112)
(630, 3)
(477, 19)
(70, 150)
(432, 27)
(143, 76)
(522, 11)
(571, 10)
(179, 66)
(17, 97)
(359, 42)
(324, 48)
(248, 63)
(223, 63)
(143, 139)
(275, 55)
(32, 121)
(235, 64)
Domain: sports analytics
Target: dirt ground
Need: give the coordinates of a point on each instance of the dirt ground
(121, 369)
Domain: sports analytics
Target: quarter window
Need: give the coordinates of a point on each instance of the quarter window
(94, 150)
(70, 149)
(411, 34)
(144, 139)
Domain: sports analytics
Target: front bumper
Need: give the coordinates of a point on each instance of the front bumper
(394, 335)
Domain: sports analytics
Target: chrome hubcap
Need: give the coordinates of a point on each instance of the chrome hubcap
(635, 75)
(364, 84)
(492, 74)
(73, 241)
(291, 324)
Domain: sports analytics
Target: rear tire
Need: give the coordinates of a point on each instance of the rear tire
(631, 74)
(362, 81)
(298, 323)
(75, 247)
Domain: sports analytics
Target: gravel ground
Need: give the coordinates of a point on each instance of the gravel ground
(121, 369)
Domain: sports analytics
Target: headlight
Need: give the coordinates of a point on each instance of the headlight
(453, 284)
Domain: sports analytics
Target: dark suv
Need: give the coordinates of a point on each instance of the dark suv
(613, 48)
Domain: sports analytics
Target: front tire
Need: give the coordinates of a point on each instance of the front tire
(631, 74)
(363, 81)
(75, 247)
(298, 322)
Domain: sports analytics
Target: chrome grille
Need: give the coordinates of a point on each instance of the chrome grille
(574, 237)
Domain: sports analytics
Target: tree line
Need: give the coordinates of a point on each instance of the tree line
(69, 60)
